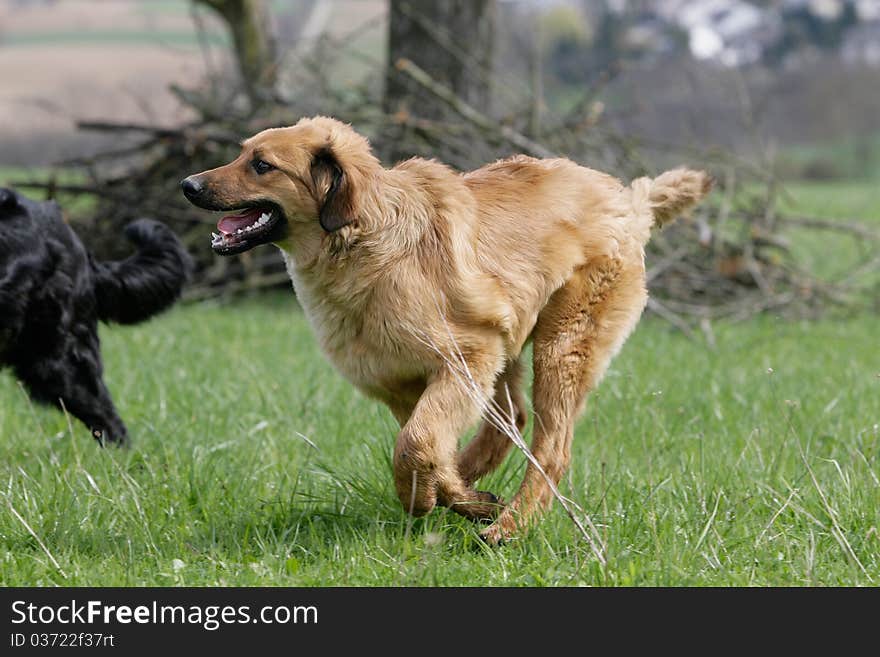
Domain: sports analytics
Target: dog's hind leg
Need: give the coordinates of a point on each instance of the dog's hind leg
(491, 445)
(578, 332)
(425, 470)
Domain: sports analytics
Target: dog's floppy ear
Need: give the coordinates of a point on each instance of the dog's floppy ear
(7, 198)
(336, 208)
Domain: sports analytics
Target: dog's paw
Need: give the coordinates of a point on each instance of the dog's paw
(494, 535)
(481, 506)
(501, 531)
(490, 504)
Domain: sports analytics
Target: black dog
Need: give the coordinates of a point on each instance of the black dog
(53, 292)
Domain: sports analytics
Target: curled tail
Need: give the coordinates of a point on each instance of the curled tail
(147, 282)
(671, 193)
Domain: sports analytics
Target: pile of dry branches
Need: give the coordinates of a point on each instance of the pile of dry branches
(731, 259)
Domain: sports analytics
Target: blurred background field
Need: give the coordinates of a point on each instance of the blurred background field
(85, 59)
(735, 440)
(810, 66)
(104, 103)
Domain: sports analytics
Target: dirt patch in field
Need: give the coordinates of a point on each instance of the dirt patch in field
(65, 61)
(68, 60)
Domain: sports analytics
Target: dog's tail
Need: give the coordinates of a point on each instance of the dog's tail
(147, 282)
(671, 193)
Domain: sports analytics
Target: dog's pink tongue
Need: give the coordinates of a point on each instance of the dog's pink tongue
(233, 222)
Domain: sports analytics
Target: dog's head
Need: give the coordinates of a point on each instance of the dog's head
(308, 173)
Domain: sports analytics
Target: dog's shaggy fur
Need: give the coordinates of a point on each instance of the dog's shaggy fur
(52, 294)
(423, 286)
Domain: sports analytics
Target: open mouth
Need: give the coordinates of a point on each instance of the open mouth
(248, 228)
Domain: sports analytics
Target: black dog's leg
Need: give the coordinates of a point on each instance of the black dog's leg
(77, 384)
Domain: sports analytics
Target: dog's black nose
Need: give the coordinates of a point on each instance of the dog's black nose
(192, 187)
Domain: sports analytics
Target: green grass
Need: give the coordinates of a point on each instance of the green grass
(700, 467)
(11, 175)
(74, 205)
(828, 254)
(127, 37)
(850, 158)
(853, 200)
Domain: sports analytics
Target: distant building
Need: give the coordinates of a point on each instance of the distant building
(739, 32)
(786, 33)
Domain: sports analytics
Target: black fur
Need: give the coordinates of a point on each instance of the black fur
(53, 292)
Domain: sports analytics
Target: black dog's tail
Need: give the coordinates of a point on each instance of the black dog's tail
(131, 290)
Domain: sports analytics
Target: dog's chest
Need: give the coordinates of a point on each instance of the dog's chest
(365, 340)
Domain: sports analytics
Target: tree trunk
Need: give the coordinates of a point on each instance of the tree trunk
(254, 43)
(451, 40)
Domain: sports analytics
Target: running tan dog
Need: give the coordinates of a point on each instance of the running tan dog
(423, 286)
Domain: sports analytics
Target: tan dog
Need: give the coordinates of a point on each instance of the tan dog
(423, 286)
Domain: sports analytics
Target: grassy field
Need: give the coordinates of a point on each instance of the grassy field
(254, 463)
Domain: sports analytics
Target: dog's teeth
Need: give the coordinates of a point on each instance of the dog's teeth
(264, 218)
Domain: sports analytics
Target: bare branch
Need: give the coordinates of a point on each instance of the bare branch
(470, 113)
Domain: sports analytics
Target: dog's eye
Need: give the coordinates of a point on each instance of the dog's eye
(261, 166)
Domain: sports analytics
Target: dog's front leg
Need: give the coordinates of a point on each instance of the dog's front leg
(425, 470)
